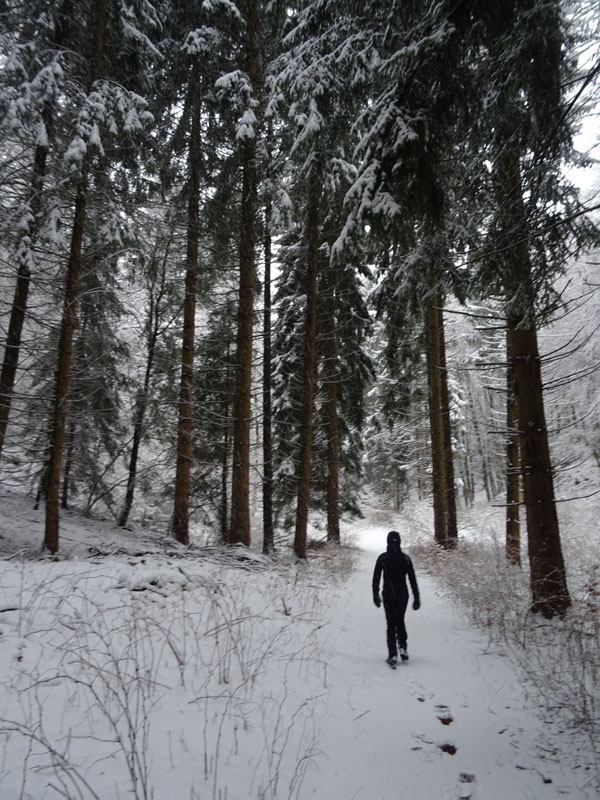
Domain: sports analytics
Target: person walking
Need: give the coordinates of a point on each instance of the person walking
(396, 566)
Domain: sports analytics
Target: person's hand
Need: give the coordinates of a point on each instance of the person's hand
(376, 599)
(416, 604)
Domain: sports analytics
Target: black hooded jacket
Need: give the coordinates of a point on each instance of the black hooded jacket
(396, 566)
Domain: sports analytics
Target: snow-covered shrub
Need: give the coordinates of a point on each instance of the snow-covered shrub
(99, 658)
(559, 658)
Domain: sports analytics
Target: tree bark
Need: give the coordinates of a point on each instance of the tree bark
(239, 529)
(186, 387)
(331, 387)
(486, 478)
(153, 333)
(138, 427)
(310, 336)
(422, 459)
(225, 476)
(268, 535)
(435, 423)
(66, 484)
(69, 317)
(444, 498)
(449, 486)
(513, 461)
(34, 201)
(550, 595)
(13, 346)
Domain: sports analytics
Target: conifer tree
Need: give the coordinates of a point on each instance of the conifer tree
(103, 108)
(324, 274)
(407, 191)
(94, 436)
(309, 357)
(214, 388)
(529, 242)
(247, 133)
(268, 531)
(513, 462)
(444, 500)
(184, 430)
(37, 93)
(195, 43)
(58, 419)
(159, 296)
(331, 381)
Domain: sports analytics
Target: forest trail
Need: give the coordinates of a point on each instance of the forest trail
(454, 723)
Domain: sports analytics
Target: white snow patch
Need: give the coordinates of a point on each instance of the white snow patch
(152, 670)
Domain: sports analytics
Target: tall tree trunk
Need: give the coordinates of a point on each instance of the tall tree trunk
(153, 327)
(485, 466)
(549, 590)
(310, 336)
(13, 346)
(513, 461)
(181, 505)
(138, 428)
(444, 498)
(239, 530)
(268, 536)
(65, 342)
(331, 385)
(449, 486)
(225, 476)
(550, 595)
(422, 459)
(77, 365)
(66, 484)
(34, 201)
(435, 422)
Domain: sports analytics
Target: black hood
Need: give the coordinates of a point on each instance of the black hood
(393, 542)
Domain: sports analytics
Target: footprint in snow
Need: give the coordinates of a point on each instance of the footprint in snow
(467, 786)
(444, 715)
(448, 747)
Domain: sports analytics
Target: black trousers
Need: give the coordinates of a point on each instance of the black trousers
(395, 608)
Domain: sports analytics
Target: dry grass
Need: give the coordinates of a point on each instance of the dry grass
(559, 659)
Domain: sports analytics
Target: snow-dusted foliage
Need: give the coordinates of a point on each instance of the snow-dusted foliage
(394, 107)
(308, 87)
(107, 108)
(66, 130)
(235, 88)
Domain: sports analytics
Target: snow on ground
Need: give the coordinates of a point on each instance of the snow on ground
(146, 671)
(452, 723)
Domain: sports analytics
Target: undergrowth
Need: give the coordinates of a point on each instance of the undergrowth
(222, 650)
(559, 658)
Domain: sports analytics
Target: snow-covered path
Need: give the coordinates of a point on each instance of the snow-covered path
(452, 723)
